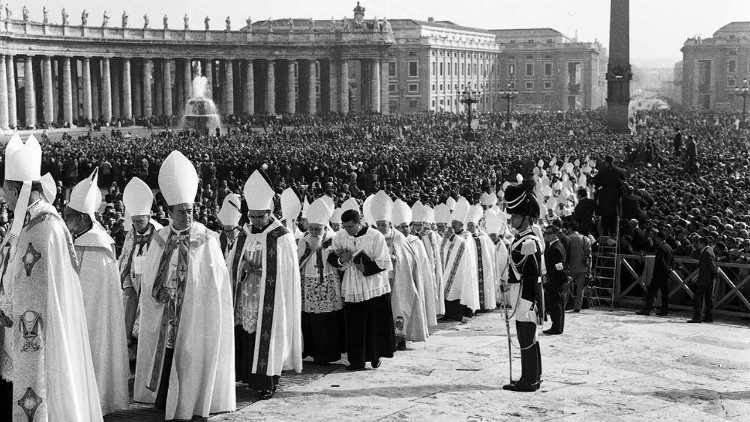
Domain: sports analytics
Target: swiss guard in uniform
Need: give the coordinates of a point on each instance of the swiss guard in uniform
(525, 283)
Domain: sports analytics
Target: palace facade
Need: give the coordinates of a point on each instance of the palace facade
(65, 72)
(712, 68)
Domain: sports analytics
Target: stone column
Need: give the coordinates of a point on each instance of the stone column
(127, 105)
(375, 85)
(47, 97)
(344, 87)
(116, 70)
(96, 88)
(158, 89)
(67, 91)
(312, 106)
(148, 68)
(228, 88)
(208, 72)
(329, 82)
(167, 86)
(30, 94)
(136, 81)
(10, 65)
(86, 74)
(106, 90)
(76, 98)
(384, 83)
(248, 104)
(3, 94)
(291, 95)
(270, 87)
(187, 82)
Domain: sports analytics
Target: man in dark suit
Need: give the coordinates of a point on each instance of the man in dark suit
(677, 142)
(608, 182)
(660, 280)
(583, 214)
(557, 280)
(704, 284)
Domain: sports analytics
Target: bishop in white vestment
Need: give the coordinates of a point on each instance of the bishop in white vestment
(45, 351)
(268, 308)
(460, 278)
(185, 342)
(485, 256)
(102, 295)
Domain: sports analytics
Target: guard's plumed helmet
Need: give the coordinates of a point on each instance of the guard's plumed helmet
(521, 199)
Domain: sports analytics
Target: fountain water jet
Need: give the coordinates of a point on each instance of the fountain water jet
(200, 112)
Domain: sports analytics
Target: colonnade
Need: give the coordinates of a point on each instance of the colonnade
(40, 90)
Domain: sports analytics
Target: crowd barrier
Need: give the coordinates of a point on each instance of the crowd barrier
(633, 273)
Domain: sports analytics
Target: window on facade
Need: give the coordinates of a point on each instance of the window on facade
(547, 56)
(511, 69)
(317, 89)
(463, 69)
(440, 73)
(433, 87)
(392, 69)
(730, 82)
(392, 88)
(732, 66)
(413, 104)
(512, 85)
(547, 85)
(529, 69)
(449, 68)
(529, 85)
(432, 66)
(441, 87)
(548, 69)
(414, 87)
(455, 87)
(413, 69)
(317, 69)
(433, 103)
(412, 54)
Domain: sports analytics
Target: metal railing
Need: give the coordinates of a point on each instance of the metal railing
(731, 287)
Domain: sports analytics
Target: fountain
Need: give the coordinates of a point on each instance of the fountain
(200, 112)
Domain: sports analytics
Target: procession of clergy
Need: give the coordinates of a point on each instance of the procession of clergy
(199, 311)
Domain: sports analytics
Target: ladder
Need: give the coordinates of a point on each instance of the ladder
(601, 287)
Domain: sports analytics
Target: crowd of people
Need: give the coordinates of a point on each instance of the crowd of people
(426, 157)
(314, 237)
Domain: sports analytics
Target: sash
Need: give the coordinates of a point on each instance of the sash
(454, 268)
(125, 271)
(263, 337)
(480, 270)
(170, 319)
(234, 270)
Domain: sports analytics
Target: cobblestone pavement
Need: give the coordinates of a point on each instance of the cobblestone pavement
(608, 366)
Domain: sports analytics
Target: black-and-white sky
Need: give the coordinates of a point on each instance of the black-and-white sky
(658, 27)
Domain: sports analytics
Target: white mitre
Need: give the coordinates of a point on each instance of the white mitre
(451, 203)
(290, 205)
(461, 210)
(418, 212)
(23, 163)
(305, 206)
(49, 187)
(401, 213)
(336, 216)
(86, 196)
(429, 215)
(381, 207)
(442, 214)
(137, 198)
(475, 214)
(367, 210)
(178, 180)
(230, 213)
(258, 193)
(350, 204)
(319, 213)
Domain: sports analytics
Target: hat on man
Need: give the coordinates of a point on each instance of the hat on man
(178, 180)
(442, 214)
(290, 205)
(49, 188)
(418, 211)
(475, 214)
(401, 213)
(230, 212)
(258, 193)
(381, 207)
(86, 196)
(461, 211)
(350, 204)
(451, 203)
(319, 213)
(137, 197)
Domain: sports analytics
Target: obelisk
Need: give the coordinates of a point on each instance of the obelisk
(618, 68)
